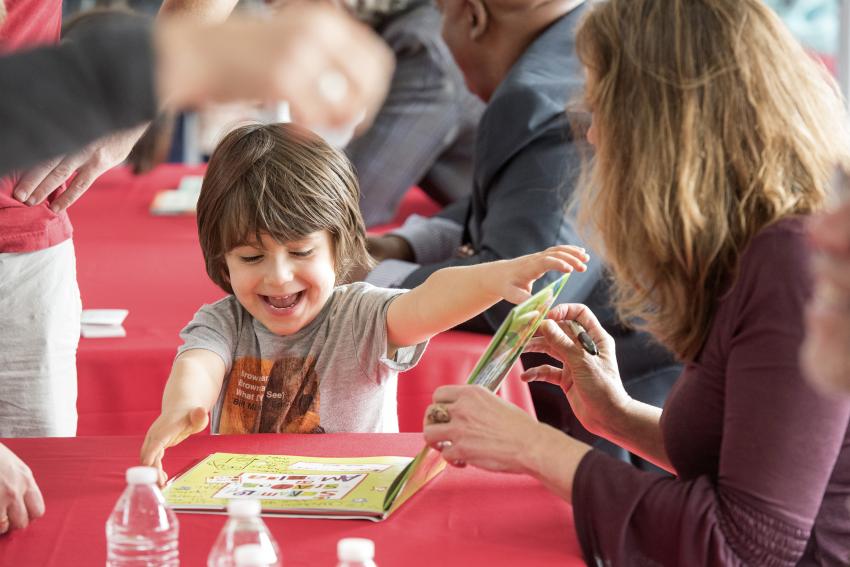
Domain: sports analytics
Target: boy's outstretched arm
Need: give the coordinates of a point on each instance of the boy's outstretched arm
(192, 389)
(453, 295)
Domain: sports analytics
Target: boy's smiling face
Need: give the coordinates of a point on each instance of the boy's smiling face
(283, 285)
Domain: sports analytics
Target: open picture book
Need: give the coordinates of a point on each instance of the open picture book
(364, 487)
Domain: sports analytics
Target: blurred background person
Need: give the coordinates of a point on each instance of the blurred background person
(518, 56)
(425, 131)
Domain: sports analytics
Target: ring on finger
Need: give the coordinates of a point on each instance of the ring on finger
(443, 445)
(438, 413)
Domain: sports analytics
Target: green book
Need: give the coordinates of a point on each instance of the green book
(512, 335)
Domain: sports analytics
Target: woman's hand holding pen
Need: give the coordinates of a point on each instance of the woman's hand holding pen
(591, 383)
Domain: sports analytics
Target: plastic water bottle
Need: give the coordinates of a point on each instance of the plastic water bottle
(244, 528)
(251, 555)
(142, 531)
(355, 552)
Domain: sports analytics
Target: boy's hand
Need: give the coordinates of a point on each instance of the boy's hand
(168, 430)
(515, 277)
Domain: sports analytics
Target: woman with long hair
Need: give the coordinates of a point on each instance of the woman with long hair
(715, 138)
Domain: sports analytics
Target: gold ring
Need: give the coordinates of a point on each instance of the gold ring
(438, 413)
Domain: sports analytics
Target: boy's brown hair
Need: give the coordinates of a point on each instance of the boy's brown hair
(285, 181)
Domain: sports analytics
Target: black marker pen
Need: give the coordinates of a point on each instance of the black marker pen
(586, 342)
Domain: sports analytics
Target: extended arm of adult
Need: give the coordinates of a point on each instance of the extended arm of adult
(20, 498)
(283, 58)
(111, 78)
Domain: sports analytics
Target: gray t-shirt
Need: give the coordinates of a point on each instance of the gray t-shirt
(333, 375)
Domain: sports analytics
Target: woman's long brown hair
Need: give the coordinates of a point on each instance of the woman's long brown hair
(712, 122)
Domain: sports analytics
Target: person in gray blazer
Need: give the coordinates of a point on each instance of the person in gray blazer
(519, 57)
(424, 133)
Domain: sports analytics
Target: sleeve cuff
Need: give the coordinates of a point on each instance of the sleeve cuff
(582, 503)
(405, 357)
(391, 273)
(431, 239)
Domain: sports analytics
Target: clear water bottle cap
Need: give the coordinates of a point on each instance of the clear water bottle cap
(252, 555)
(355, 549)
(239, 508)
(142, 475)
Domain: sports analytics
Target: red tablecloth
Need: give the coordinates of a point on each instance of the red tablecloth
(463, 517)
(128, 258)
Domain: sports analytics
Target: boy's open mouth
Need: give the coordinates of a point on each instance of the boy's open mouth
(283, 301)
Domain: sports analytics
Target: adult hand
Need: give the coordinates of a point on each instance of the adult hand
(389, 247)
(825, 357)
(40, 182)
(331, 69)
(168, 430)
(482, 430)
(591, 383)
(380, 248)
(20, 498)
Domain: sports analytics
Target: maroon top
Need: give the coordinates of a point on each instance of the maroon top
(763, 461)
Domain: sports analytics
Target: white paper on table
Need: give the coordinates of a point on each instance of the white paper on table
(112, 317)
(102, 331)
(191, 184)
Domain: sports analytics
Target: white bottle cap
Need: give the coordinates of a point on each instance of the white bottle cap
(239, 508)
(355, 549)
(142, 475)
(252, 555)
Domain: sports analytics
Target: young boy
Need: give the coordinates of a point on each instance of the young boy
(290, 350)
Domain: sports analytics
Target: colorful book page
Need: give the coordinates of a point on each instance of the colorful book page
(285, 484)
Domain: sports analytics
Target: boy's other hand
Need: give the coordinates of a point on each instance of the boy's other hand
(168, 430)
(516, 277)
